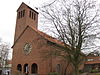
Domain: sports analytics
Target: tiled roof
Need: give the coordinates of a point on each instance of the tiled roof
(47, 37)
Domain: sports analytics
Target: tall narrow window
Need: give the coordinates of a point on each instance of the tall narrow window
(34, 16)
(34, 69)
(26, 68)
(58, 68)
(18, 15)
(23, 13)
(30, 14)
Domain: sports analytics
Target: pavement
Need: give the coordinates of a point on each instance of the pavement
(84, 74)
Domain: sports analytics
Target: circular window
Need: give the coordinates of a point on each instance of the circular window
(27, 48)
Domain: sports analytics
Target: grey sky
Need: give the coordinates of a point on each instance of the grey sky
(8, 16)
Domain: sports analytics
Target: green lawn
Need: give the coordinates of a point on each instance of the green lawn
(94, 74)
(91, 74)
(97, 74)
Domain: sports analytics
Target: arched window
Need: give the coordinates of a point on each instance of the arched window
(58, 68)
(19, 67)
(34, 69)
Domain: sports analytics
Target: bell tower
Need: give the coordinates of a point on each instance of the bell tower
(26, 16)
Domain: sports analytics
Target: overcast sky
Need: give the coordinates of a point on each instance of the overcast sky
(8, 16)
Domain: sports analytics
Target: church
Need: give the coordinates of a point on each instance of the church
(30, 44)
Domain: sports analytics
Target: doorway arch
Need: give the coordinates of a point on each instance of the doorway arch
(58, 68)
(19, 67)
(26, 68)
(34, 68)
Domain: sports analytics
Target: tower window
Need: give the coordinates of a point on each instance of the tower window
(23, 13)
(34, 16)
(18, 15)
(30, 14)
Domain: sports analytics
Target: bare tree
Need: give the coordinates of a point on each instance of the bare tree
(94, 53)
(76, 23)
(4, 54)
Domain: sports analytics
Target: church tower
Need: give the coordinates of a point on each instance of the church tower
(30, 44)
(25, 16)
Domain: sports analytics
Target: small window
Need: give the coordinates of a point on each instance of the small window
(18, 15)
(34, 16)
(23, 13)
(90, 60)
(30, 14)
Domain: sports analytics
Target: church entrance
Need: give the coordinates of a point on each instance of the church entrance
(19, 67)
(26, 69)
(34, 69)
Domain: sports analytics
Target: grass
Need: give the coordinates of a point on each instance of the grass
(97, 74)
(92, 74)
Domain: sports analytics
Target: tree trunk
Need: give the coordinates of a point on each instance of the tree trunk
(76, 70)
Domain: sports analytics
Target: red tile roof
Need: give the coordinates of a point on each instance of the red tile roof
(49, 38)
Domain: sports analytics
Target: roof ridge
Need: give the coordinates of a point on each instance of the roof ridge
(19, 36)
(48, 37)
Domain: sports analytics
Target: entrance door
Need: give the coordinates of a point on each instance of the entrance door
(34, 69)
(19, 67)
(26, 71)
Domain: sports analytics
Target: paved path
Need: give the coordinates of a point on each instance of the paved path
(84, 74)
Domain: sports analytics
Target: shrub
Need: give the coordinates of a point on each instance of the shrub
(94, 71)
(81, 71)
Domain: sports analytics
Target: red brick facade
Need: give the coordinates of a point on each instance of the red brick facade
(31, 61)
(92, 63)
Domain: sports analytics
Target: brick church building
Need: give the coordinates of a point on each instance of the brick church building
(29, 45)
